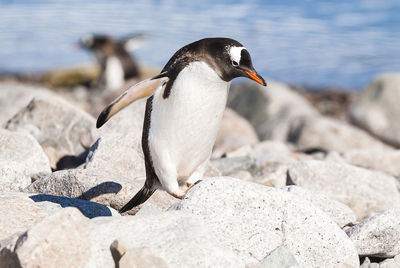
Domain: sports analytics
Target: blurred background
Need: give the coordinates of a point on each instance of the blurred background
(314, 44)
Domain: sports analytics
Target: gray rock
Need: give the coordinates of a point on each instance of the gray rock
(234, 132)
(330, 134)
(21, 160)
(229, 166)
(365, 192)
(377, 108)
(387, 161)
(15, 96)
(127, 121)
(269, 109)
(179, 239)
(118, 153)
(272, 174)
(278, 219)
(280, 257)
(60, 128)
(61, 240)
(378, 235)
(17, 213)
(389, 263)
(339, 213)
(97, 186)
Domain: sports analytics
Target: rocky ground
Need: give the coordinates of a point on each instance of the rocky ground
(287, 185)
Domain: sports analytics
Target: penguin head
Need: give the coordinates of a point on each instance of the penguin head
(101, 45)
(230, 59)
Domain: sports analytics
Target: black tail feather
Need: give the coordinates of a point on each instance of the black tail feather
(138, 199)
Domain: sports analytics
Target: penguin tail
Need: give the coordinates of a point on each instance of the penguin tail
(139, 198)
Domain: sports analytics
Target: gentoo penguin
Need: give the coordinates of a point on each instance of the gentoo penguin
(116, 63)
(184, 112)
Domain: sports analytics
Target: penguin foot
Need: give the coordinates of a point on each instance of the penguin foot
(179, 194)
(190, 185)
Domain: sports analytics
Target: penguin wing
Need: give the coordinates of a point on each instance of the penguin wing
(134, 41)
(138, 91)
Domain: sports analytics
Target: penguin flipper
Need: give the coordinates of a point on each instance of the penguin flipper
(134, 41)
(138, 91)
(139, 198)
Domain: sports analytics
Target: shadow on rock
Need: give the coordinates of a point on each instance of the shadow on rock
(107, 187)
(87, 208)
(71, 161)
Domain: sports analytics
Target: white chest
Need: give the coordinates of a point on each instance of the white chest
(184, 126)
(114, 74)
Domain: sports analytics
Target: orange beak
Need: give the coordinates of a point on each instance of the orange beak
(256, 78)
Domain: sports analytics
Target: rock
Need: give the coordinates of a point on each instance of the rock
(279, 257)
(97, 186)
(179, 239)
(57, 125)
(231, 165)
(389, 263)
(118, 153)
(234, 132)
(379, 235)
(377, 108)
(15, 96)
(21, 160)
(330, 135)
(61, 240)
(272, 174)
(339, 213)
(269, 109)
(387, 161)
(17, 213)
(266, 148)
(242, 175)
(141, 257)
(365, 192)
(87, 208)
(127, 121)
(278, 219)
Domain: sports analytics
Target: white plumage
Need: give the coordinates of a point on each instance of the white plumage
(184, 126)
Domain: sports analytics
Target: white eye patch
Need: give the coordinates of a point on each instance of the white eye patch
(235, 53)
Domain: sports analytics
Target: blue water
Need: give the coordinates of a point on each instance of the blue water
(313, 43)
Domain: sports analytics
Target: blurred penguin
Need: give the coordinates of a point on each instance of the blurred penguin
(116, 63)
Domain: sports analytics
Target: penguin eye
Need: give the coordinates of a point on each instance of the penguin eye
(235, 63)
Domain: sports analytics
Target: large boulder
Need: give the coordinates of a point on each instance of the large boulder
(254, 220)
(117, 153)
(234, 132)
(378, 236)
(330, 134)
(61, 129)
(365, 192)
(98, 186)
(377, 109)
(387, 161)
(17, 213)
(21, 160)
(269, 109)
(339, 212)
(178, 239)
(60, 240)
(15, 96)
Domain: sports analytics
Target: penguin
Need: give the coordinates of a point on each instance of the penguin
(116, 63)
(183, 112)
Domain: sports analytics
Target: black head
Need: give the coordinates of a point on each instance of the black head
(95, 41)
(229, 58)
